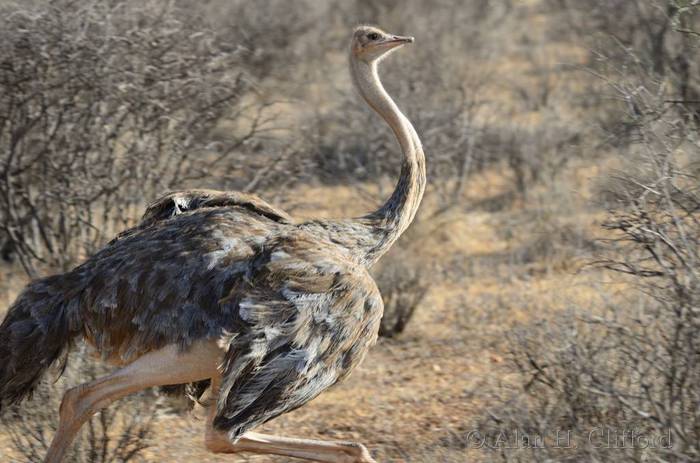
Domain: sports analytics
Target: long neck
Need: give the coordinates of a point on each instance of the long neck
(396, 214)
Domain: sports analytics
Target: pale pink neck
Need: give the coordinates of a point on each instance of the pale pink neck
(396, 214)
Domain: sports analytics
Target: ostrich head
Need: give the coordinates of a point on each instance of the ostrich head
(372, 44)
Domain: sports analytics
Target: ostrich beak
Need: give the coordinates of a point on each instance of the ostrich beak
(399, 40)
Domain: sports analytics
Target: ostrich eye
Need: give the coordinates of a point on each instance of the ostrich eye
(373, 36)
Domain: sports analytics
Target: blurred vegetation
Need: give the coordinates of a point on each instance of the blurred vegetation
(106, 104)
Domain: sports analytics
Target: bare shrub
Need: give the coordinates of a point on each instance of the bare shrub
(632, 367)
(119, 433)
(628, 373)
(403, 283)
(656, 37)
(559, 411)
(266, 36)
(104, 105)
(552, 246)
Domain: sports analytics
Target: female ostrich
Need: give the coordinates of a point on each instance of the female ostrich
(222, 287)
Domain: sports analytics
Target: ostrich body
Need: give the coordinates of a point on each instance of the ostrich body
(223, 287)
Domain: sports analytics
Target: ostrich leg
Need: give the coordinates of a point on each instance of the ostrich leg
(157, 368)
(308, 449)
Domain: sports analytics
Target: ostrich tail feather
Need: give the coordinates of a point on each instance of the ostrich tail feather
(36, 333)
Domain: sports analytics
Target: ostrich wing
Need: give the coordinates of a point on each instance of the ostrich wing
(306, 318)
(163, 284)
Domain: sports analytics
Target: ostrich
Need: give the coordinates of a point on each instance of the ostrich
(225, 290)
